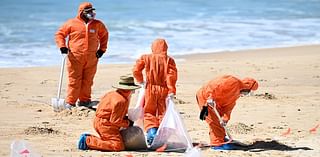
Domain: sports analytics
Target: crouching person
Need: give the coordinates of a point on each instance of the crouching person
(110, 117)
(222, 91)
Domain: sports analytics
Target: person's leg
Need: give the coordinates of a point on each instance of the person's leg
(161, 103)
(107, 142)
(150, 109)
(217, 132)
(74, 68)
(110, 138)
(156, 110)
(88, 74)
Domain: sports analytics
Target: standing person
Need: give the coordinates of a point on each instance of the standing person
(223, 91)
(87, 42)
(161, 78)
(110, 118)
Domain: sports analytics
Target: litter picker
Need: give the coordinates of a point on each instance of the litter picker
(220, 120)
(231, 140)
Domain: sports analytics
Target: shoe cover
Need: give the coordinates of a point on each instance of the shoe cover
(228, 146)
(151, 133)
(82, 145)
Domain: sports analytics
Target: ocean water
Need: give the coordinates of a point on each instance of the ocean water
(27, 27)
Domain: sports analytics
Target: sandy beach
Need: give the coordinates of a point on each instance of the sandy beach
(276, 119)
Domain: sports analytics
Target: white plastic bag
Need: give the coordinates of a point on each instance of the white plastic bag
(21, 148)
(172, 132)
(194, 152)
(136, 114)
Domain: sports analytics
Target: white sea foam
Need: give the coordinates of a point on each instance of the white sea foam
(27, 38)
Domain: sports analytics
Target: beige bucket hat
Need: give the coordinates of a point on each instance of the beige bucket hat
(126, 82)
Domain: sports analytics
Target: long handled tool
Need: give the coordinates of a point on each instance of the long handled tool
(231, 140)
(220, 120)
(57, 103)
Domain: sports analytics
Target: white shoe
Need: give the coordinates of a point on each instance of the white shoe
(69, 106)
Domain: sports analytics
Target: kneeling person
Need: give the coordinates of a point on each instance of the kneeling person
(110, 117)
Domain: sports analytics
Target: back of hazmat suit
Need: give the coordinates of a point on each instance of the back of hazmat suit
(161, 78)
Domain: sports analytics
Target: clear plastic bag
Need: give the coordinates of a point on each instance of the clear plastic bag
(194, 152)
(21, 148)
(172, 132)
(136, 114)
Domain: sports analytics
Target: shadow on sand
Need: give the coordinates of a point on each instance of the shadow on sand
(93, 105)
(259, 146)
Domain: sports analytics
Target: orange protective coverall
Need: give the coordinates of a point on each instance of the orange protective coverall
(110, 117)
(161, 78)
(84, 41)
(224, 90)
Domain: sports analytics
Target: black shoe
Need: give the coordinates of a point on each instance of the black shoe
(84, 103)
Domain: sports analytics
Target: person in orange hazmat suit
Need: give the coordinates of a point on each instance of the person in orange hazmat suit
(87, 42)
(223, 91)
(161, 78)
(110, 118)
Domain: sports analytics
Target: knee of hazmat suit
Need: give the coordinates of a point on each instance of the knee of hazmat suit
(161, 78)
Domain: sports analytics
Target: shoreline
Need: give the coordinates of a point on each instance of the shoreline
(194, 55)
(238, 53)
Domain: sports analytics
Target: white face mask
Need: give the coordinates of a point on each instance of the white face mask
(245, 92)
(90, 16)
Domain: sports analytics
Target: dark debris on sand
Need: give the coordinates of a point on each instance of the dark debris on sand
(239, 128)
(179, 101)
(40, 131)
(267, 96)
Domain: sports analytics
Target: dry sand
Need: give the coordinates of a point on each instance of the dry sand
(288, 99)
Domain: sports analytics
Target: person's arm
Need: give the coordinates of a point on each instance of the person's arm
(172, 76)
(61, 35)
(209, 93)
(227, 111)
(103, 37)
(137, 69)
